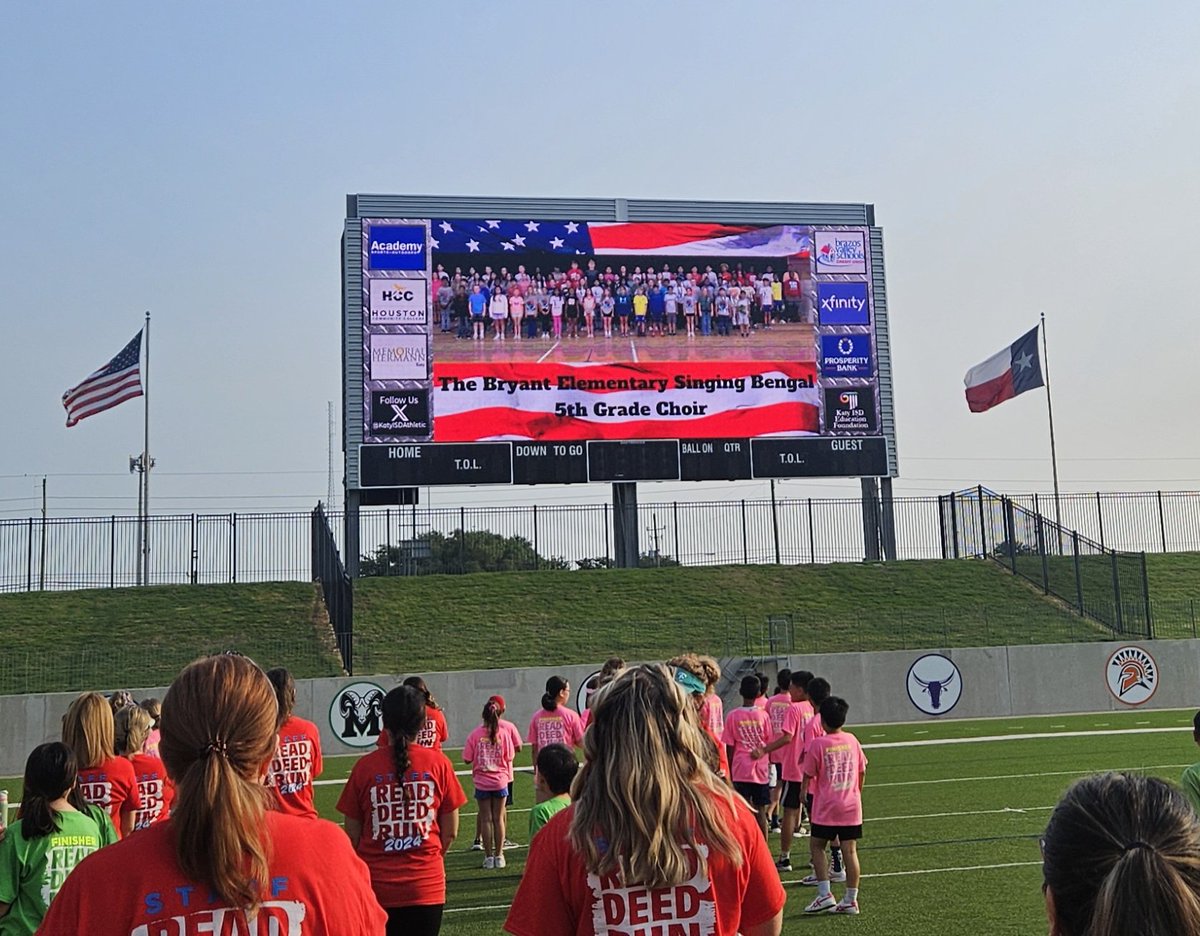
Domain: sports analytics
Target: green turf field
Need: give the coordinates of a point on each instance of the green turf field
(953, 812)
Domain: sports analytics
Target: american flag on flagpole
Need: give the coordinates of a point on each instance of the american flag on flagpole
(117, 381)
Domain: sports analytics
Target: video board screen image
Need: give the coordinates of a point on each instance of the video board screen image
(539, 333)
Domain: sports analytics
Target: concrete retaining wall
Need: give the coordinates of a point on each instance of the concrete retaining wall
(990, 682)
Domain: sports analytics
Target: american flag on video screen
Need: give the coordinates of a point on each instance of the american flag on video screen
(117, 381)
(601, 239)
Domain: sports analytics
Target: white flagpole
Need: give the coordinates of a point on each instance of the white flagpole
(145, 557)
(1050, 413)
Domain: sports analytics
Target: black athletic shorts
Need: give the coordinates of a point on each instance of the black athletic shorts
(756, 794)
(791, 794)
(845, 833)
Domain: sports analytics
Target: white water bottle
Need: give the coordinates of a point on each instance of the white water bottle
(3, 809)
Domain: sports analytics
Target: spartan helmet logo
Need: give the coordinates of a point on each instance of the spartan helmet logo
(1132, 675)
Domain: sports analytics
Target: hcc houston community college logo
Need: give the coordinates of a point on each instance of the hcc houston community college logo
(1132, 675)
(934, 684)
(356, 714)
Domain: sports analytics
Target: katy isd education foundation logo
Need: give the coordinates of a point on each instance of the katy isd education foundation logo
(1132, 675)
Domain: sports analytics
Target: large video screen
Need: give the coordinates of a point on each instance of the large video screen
(528, 350)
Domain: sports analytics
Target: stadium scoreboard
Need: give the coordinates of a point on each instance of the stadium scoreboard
(526, 403)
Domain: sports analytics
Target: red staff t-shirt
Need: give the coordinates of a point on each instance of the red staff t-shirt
(317, 887)
(401, 838)
(155, 790)
(431, 735)
(559, 896)
(296, 764)
(112, 786)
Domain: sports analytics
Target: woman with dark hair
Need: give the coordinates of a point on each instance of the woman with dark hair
(35, 858)
(224, 862)
(554, 723)
(435, 730)
(401, 806)
(1121, 855)
(653, 835)
(297, 761)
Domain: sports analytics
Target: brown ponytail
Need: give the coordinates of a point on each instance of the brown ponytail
(491, 717)
(1121, 855)
(218, 734)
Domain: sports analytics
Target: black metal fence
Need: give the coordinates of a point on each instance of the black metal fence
(1110, 586)
(101, 552)
(337, 590)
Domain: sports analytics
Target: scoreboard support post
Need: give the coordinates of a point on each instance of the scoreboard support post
(352, 498)
(625, 525)
(870, 519)
(887, 520)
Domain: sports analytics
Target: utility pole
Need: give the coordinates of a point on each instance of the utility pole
(42, 567)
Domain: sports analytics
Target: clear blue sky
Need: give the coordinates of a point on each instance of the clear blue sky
(193, 159)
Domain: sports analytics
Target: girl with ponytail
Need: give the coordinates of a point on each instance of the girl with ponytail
(1121, 855)
(105, 779)
(32, 866)
(401, 806)
(554, 723)
(490, 750)
(223, 858)
(435, 730)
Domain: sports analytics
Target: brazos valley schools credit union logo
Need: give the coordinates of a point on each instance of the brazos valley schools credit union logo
(841, 251)
(356, 714)
(934, 684)
(1132, 675)
(396, 247)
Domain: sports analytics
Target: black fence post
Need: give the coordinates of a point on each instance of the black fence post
(941, 509)
(745, 539)
(1010, 534)
(1078, 573)
(983, 551)
(29, 557)
(537, 556)
(1041, 545)
(675, 521)
(233, 547)
(1100, 517)
(1116, 581)
(193, 573)
(462, 540)
(1146, 599)
(112, 552)
(1162, 523)
(812, 536)
(954, 523)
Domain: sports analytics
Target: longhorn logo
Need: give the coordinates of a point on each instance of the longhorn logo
(934, 688)
(934, 684)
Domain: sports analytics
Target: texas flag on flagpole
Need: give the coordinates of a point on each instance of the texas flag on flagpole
(1005, 375)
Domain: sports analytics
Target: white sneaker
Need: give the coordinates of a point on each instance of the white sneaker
(821, 904)
(501, 863)
(509, 843)
(809, 880)
(837, 877)
(477, 845)
(845, 907)
(488, 863)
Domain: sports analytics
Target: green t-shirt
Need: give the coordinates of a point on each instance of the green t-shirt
(1191, 786)
(33, 870)
(543, 812)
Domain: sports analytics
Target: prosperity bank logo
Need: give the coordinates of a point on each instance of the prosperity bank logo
(1132, 675)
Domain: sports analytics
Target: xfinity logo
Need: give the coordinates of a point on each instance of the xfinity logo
(843, 303)
(396, 247)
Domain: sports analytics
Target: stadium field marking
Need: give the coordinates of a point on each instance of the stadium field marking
(633, 350)
(1026, 776)
(796, 883)
(549, 352)
(948, 815)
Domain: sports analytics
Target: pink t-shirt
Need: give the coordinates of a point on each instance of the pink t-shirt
(836, 762)
(585, 717)
(760, 702)
(798, 718)
(712, 710)
(777, 707)
(562, 726)
(746, 729)
(492, 761)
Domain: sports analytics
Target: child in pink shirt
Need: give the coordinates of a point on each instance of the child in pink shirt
(789, 743)
(747, 732)
(777, 707)
(835, 765)
(490, 750)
